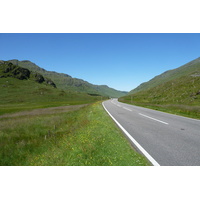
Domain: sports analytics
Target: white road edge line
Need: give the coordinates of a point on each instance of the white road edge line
(143, 151)
(154, 119)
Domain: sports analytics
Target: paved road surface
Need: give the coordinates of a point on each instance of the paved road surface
(170, 140)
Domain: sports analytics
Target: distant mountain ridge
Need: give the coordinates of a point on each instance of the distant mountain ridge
(66, 82)
(190, 67)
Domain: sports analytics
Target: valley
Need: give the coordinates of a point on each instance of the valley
(52, 119)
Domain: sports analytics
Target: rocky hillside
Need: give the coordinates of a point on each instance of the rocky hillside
(66, 82)
(8, 69)
(21, 89)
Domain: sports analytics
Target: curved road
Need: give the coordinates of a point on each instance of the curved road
(169, 140)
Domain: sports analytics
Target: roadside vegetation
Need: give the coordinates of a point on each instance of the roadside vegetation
(175, 91)
(179, 96)
(83, 137)
(42, 125)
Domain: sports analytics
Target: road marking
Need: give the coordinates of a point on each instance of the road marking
(112, 102)
(127, 109)
(118, 105)
(141, 149)
(154, 119)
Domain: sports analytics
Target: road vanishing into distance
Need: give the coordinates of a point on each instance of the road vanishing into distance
(165, 139)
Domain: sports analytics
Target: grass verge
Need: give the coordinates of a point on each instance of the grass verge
(86, 137)
(179, 96)
(177, 109)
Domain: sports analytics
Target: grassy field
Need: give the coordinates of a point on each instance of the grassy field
(18, 95)
(45, 126)
(85, 137)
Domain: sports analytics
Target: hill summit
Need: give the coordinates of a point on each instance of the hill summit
(66, 82)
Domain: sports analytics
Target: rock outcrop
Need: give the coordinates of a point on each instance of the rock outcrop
(8, 69)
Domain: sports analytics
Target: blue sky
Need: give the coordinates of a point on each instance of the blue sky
(122, 61)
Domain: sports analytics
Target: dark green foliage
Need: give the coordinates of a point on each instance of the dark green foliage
(93, 94)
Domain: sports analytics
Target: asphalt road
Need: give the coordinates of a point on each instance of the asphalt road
(169, 140)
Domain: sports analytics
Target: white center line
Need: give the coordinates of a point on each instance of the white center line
(126, 108)
(154, 119)
(141, 149)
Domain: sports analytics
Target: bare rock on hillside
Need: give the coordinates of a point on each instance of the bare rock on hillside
(21, 73)
(38, 78)
(11, 70)
(50, 82)
(16, 72)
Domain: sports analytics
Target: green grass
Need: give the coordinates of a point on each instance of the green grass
(175, 91)
(87, 137)
(66, 82)
(180, 96)
(192, 67)
(18, 95)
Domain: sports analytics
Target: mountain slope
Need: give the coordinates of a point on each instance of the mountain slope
(7, 69)
(66, 82)
(22, 89)
(190, 67)
(176, 91)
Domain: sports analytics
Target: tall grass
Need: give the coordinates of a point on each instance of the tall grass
(79, 138)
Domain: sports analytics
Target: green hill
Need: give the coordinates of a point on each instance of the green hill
(176, 91)
(22, 89)
(169, 75)
(66, 82)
